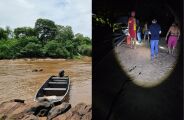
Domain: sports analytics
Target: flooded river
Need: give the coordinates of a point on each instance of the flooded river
(17, 79)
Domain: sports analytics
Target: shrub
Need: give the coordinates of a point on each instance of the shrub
(31, 50)
(7, 49)
(85, 50)
(56, 50)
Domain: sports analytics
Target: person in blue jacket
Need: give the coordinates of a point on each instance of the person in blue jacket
(154, 31)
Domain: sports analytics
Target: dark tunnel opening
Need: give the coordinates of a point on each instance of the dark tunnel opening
(113, 98)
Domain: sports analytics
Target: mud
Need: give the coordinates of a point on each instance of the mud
(21, 78)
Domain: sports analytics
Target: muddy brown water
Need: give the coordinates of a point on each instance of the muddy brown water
(18, 81)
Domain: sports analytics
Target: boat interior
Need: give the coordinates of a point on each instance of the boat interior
(55, 86)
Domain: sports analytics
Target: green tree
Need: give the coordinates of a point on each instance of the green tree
(50, 48)
(22, 42)
(70, 46)
(3, 34)
(56, 50)
(45, 40)
(81, 39)
(7, 49)
(80, 42)
(24, 31)
(9, 32)
(31, 50)
(45, 30)
(64, 33)
(85, 50)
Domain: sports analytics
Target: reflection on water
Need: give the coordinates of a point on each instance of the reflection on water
(19, 81)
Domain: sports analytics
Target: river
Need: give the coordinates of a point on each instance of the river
(19, 81)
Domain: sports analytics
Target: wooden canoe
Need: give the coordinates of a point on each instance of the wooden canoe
(55, 89)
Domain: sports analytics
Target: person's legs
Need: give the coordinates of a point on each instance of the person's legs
(131, 42)
(156, 48)
(139, 37)
(152, 42)
(147, 40)
(148, 43)
(144, 37)
(171, 47)
(134, 43)
(148, 36)
(169, 44)
(174, 44)
(172, 52)
(169, 50)
(133, 38)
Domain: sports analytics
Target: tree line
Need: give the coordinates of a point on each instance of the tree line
(46, 39)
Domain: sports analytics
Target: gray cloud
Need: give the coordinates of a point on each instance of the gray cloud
(76, 13)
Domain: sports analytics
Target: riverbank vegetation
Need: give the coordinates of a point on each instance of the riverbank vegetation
(46, 39)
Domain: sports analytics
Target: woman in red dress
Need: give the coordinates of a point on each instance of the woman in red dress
(132, 29)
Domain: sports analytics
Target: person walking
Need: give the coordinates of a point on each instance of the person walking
(154, 31)
(174, 34)
(146, 35)
(132, 29)
(139, 34)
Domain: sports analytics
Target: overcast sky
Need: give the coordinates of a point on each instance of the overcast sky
(19, 13)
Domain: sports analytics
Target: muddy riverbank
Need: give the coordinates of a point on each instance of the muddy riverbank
(19, 80)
